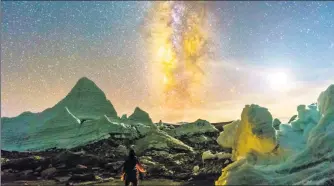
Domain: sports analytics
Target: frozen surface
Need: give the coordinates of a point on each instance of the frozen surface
(140, 115)
(305, 155)
(190, 129)
(293, 136)
(253, 131)
(83, 116)
(226, 138)
(159, 140)
(87, 101)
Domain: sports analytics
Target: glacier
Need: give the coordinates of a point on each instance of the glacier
(84, 116)
(264, 150)
(299, 153)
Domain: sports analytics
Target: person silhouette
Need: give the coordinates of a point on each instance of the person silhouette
(132, 169)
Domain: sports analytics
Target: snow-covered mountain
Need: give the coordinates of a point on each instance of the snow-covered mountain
(87, 101)
(83, 116)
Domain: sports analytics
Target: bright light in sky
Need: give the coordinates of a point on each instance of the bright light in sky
(278, 81)
(127, 48)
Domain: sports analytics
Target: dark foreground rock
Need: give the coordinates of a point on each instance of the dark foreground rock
(211, 169)
(170, 158)
(49, 173)
(67, 166)
(25, 163)
(82, 177)
(153, 182)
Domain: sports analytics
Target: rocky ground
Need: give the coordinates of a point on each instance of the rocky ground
(188, 154)
(99, 163)
(154, 182)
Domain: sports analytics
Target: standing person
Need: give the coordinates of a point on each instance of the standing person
(130, 169)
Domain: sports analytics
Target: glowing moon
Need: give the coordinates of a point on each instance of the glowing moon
(278, 81)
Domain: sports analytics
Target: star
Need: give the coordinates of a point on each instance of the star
(47, 46)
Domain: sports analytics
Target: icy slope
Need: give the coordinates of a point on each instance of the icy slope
(159, 140)
(305, 154)
(140, 115)
(78, 114)
(83, 116)
(87, 101)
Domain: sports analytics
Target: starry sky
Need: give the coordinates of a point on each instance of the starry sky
(47, 46)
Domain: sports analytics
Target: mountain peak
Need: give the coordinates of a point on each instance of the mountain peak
(84, 79)
(140, 115)
(85, 84)
(87, 100)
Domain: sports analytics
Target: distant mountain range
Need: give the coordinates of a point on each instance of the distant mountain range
(70, 122)
(84, 115)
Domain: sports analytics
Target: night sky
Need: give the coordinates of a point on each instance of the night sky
(47, 46)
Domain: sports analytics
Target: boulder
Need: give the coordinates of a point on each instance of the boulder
(121, 151)
(147, 161)
(254, 131)
(27, 175)
(227, 137)
(82, 177)
(199, 139)
(201, 135)
(211, 169)
(38, 169)
(27, 163)
(62, 179)
(180, 165)
(190, 129)
(4, 160)
(114, 166)
(207, 155)
(196, 170)
(81, 166)
(223, 155)
(158, 171)
(168, 159)
(159, 140)
(71, 159)
(48, 173)
(183, 175)
(8, 176)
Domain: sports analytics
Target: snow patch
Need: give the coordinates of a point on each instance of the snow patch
(207, 155)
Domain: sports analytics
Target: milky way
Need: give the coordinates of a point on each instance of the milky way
(47, 46)
(178, 38)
